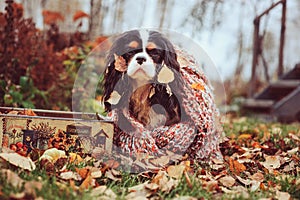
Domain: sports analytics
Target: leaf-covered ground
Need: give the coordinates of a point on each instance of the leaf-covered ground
(261, 161)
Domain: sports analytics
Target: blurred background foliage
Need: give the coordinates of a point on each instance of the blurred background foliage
(43, 43)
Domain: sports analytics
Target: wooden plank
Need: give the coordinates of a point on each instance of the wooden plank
(255, 103)
(285, 84)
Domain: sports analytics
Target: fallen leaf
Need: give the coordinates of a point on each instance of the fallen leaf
(88, 183)
(258, 177)
(114, 98)
(169, 185)
(271, 162)
(120, 63)
(211, 185)
(83, 172)
(109, 174)
(18, 160)
(152, 186)
(161, 161)
(176, 171)
(75, 158)
(70, 175)
(245, 137)
(12, 178)
(165, 75)
(113, 164)
(245, 182)
(293, 151)
(227, 181)
(294, 137)
(96, 174)
(282, 195)
(197, 86)
(102, 192)
(236, 167)
(32, 186)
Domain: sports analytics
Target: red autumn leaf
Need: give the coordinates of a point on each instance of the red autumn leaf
(79, 14)
(51, 17)
(236, 167)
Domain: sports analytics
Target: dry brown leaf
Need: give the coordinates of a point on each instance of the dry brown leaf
(258, 177)
(32, 186)
(120, 63)
(211, 185)
(113, 175)
(169, 185)
(112, 164)
(271, 163)
(161, 161)
(12, 178)
(138, 187)
(176, 171)
(161, 176)
(83, 172)
(96, 174)
(102, 192)
(152, 187)
(245, 182)
(293, 151)
(236, 167)
(165, 75)
(227, 181)
(70, 176)
(114, 98)
(19, 161)
(282, 195)
(89, 182)
(294, 137)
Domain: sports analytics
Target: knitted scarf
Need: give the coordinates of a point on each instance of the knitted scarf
(198, 138)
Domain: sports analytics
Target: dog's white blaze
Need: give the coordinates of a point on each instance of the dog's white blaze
(144, 36)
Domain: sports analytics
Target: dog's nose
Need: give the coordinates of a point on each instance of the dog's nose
(140, 60)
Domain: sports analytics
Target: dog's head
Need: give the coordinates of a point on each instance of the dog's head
(136, 58)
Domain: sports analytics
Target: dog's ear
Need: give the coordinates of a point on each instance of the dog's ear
(113, 75)
(110, 79)
(170, 56)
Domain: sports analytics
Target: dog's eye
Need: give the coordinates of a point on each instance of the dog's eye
(130, 53)
(156, 54)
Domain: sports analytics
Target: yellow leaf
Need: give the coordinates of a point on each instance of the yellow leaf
(75, 158)
(88, 182)
(198, 86)
(165, 75)
(176, 171)
(227, 181)
(245, 137)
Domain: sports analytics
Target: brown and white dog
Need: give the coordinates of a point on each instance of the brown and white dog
(157, 104)
(143, 76)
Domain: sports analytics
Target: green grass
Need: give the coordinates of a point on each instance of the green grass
(54, 188)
